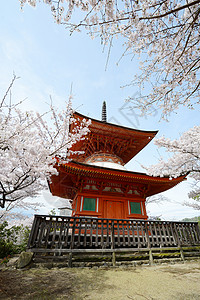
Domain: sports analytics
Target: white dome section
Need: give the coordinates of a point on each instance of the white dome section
(105, 160)
(107, 164)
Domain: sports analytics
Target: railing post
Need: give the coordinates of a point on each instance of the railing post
(150, 257)
(112, 235)
(147, 235)
(148, 243)
(72, 243)
(113, 243)
(198, 232)
(70, 260)
(182, 254)
(113, 258)
(73, 232)
(40, 230)
(178, 242)
(32, 233)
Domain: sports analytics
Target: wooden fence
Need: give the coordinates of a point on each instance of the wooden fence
(61, 234)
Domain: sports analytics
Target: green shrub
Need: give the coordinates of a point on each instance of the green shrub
(13, 240)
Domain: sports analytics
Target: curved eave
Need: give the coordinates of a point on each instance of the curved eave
(106, 124)
(81, 168)
(154, 185)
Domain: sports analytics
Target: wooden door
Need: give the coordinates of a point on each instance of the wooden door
(114, 210)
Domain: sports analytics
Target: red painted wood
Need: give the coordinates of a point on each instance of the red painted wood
(108, 207)
(124, 142)
(113, 189)
(114, 209)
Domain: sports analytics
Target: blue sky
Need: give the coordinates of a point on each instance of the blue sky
(48, 61)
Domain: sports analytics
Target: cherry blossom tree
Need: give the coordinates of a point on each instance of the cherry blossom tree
(18, 212)
(29, 143)
(195, 204)
(185, 160)
(163, 33)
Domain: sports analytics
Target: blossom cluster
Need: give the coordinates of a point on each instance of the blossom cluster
(164, 33)
(28, 146)
(185, 159)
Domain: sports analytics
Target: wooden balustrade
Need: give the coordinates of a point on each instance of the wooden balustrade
(67, 234)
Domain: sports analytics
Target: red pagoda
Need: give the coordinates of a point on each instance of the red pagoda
(97, 181)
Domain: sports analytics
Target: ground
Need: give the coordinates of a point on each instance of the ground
(160, 282)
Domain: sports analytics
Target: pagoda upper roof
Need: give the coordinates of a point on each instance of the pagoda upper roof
(81, 170)
(110, 138)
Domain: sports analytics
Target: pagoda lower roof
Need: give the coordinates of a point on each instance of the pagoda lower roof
(155, 184)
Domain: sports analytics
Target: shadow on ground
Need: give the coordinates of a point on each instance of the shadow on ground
(159, 282)
(52, 284)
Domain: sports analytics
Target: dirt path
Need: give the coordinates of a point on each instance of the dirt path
(164, 282)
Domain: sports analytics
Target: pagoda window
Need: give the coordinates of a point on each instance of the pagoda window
(89, 204)
(135, 208)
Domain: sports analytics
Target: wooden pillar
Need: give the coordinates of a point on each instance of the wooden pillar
(114, 259)
(150, 257)
(182, 254)
(70, 260)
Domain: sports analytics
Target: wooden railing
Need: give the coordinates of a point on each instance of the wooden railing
(64, 234)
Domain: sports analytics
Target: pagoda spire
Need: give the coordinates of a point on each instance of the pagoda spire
(104, 115)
